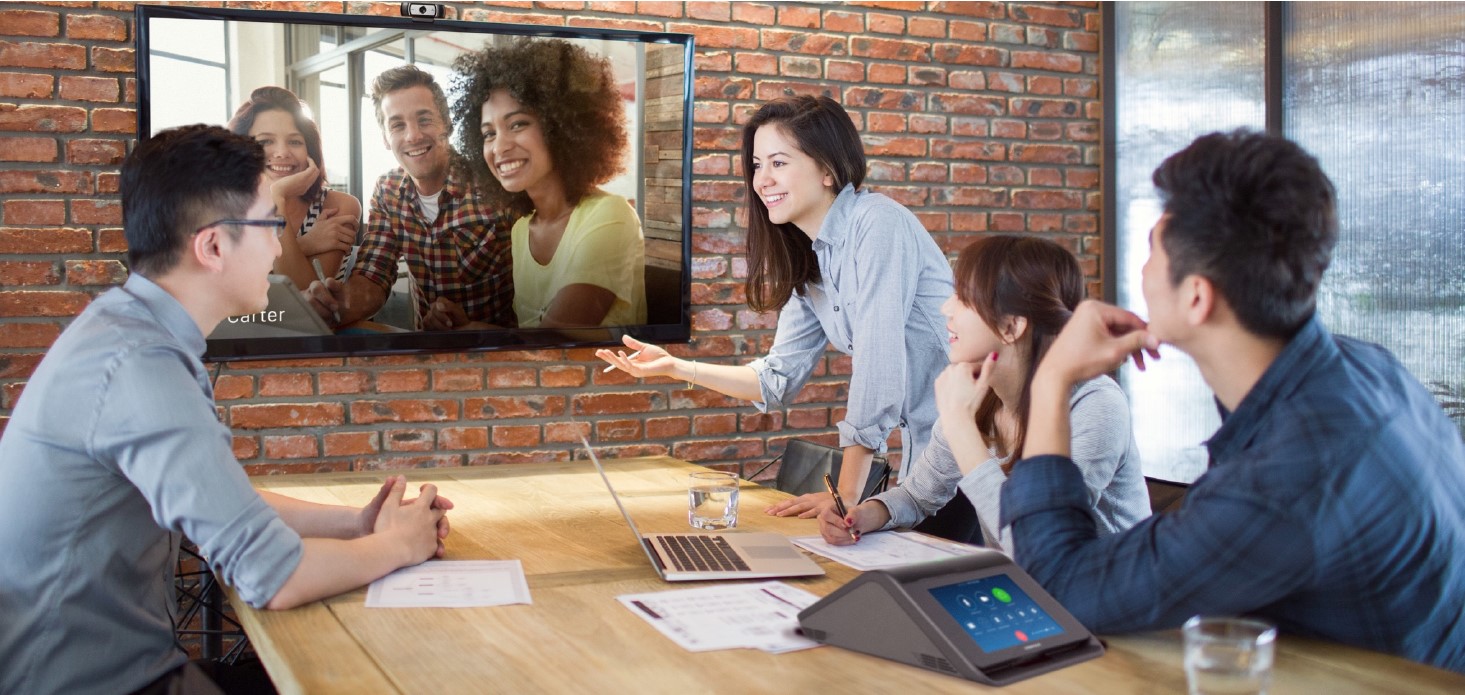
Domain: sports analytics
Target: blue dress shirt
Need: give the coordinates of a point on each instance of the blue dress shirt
(1334, 506)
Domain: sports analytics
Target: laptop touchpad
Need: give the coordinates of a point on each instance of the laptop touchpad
(769, 552)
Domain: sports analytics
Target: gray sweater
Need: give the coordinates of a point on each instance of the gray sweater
(1102, 447)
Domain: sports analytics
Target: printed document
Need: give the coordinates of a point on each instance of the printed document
(451, 584)
(875, 551)
(733, 616)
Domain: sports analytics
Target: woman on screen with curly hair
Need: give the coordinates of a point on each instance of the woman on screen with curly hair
(324, 220)
(544, 126)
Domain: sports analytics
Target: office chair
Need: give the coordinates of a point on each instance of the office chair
(804, 464)
(1165, 496)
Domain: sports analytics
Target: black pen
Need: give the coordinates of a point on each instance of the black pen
(839, 504)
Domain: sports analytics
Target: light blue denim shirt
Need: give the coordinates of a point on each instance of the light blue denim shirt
(882, 283)
(113, 450)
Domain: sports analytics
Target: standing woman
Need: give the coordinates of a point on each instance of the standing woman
(1013, 296)
(325, 221)
(841, 265)
(544, 126)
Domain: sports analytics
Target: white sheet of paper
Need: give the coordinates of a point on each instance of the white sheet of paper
(876, 551)
(731, 616)
(451, 584)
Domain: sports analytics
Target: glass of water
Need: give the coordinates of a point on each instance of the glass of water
(712, 500)
(1228, 655)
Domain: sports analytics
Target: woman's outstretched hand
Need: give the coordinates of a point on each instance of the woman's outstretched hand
(646, 360)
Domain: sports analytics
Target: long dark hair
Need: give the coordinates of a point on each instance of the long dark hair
(780, 257)
(270, 98)
(1031, 277)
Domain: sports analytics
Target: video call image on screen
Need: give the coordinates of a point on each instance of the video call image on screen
(200, 65)
(995, 613)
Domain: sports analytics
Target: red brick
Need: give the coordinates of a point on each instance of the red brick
(985, 10)
(95, 272)
(114, 120)
(295, 446)
(847, 22)
(1059, 62)
(401, 380)
(1081, 178)
(1040, 222)
(967, 54)
(803, 42)
(1047, 200)
(971, 196)
(351, 443)
(1081, 87)
(716, 11)
(895, 146)
(926, 76)
(1045, 130)
(760, 422)
(494, 407)
(99, 89)
(668, 427)
(1004, 174)
(562, 377)
(972, 104)
(26, 86)
(932, 172)
(33, 212)
(42, 303)
(108, 182)
(1046, 85)
(715, 424)
(1081, 41)
(929, 27)
(617, 402)
(756, 63)
(386, 463)
(1044, 15)
(1011, 129)
(1007, 222)
(258, 417)
(660, 9)
(965, 172)
(111, 241)
(229, 387)
(719, 36)
(753, 13)
(808, 418)
(245, 448)
(103, 152)
(887, 73)
(408, 410)
(844, 70)
(882, 23)
(566, 432)
(459, 379)
(47, 56)
(35, 118)
(411, 439)
(799, 66)
(18, 366)
(96, 212)
(30, 23)
(709, 112)
(723, 87)
(29, 273)
(1051, 154)
(480, 15)
(113, 59)
(511, 377)
(713, 61)
(626, 24)
(804, 17)
(296, 384)
(968, 31)
(458, 438)
(1042, 36)
(890, 49)
(96, 27)
(618, 430)
(333, 383)
(718, 450)
(515, 436)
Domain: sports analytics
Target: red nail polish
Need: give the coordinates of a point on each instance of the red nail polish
(994, 357)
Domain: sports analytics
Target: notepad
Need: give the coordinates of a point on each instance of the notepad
(451, 584)
(729, 616)
(888, 549)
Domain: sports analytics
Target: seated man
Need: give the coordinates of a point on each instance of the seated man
(1333, 501)
(456, 247)
(115, 449)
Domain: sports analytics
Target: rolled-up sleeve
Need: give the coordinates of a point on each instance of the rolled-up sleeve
(798, 345)
(887, 263)
(181, 459)
(930, 485)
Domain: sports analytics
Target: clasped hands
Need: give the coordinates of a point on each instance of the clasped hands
(422, 522)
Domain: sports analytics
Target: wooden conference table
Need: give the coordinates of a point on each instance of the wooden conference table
(578, 555)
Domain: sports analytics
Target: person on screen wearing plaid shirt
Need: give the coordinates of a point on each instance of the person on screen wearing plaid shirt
(456, 246)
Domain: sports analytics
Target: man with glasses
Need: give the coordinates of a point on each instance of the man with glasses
(424, 212)
(115, 450)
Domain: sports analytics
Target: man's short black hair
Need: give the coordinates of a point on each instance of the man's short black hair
(1252, 213)
(181, 179)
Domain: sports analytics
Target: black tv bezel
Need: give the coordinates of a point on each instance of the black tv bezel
(426, 342)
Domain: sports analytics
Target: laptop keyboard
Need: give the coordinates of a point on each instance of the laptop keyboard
(702, 554)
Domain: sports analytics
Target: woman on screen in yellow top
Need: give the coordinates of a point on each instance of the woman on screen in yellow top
(544, 125)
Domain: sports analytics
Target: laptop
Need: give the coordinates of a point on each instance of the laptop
(685, 557)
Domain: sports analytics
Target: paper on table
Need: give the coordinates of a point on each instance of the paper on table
(881, 550)
(731, 616)
(451, 584)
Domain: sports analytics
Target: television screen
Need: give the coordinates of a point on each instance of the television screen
(199, 65)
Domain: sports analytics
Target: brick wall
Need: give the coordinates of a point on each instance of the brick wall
(980, 116)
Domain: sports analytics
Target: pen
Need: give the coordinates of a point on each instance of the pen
(839, 503)
(631, 356)
(320, 274)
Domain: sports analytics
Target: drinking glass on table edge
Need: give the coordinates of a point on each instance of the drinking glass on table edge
(1228, 655)
(712, 500)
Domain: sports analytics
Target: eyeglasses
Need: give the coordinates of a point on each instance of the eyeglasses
(276, 223)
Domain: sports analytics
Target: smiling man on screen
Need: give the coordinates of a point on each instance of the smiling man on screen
(1335, 500)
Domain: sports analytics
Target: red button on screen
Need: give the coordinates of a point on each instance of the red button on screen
(1020, 636)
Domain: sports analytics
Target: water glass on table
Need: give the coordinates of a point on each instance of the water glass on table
(1228, 655)
(712, 500)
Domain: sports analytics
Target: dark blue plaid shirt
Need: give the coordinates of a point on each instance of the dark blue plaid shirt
(1334, 506)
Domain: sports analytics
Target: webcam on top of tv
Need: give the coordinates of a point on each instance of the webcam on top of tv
(422, 11)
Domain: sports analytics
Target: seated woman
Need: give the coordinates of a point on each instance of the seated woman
(543, 125)
(1013, 296)
(324, 221)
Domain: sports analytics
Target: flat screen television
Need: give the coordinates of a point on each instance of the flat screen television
(197, 65)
